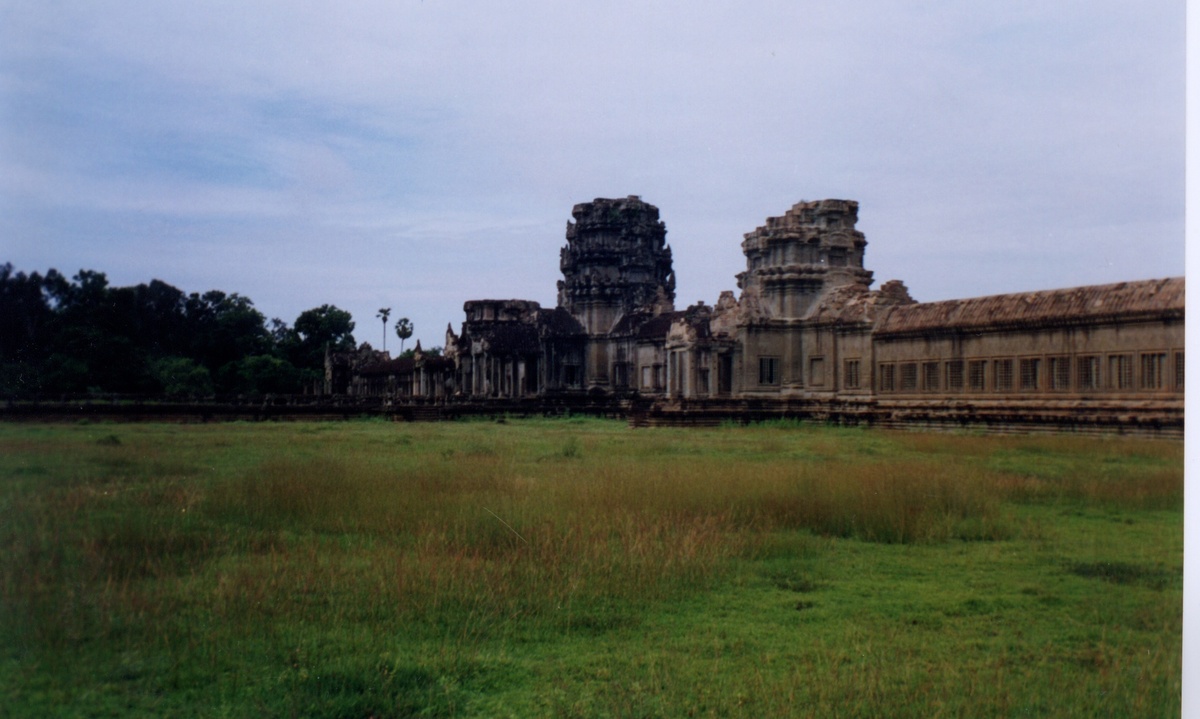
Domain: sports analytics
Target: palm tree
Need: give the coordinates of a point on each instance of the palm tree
(383, 315)
(404, 330)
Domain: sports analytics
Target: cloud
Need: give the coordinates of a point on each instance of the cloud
(417, 154)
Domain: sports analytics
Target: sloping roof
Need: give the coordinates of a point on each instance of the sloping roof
(400, 365)
(658, 326)
(558, 322)
(629, 323)
(847, 304)
(510, 337)
(645, 326)
(1149, 298)
(437, 362)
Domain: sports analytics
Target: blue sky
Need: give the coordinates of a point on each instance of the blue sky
(419, 154)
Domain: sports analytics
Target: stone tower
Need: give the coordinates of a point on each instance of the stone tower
(793, 259)
(616, 261)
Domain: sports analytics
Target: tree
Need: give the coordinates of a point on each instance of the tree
(224, 328)
(261, 374)
(318, 328)
(404, 330)
(181, 377)
(26, 326)
(60, 335)
(91, 342)
(431, 352)
(160, 319)
(24, 314)
(282, 336)
(383, 315)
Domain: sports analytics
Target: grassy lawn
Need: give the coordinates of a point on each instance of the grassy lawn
(578, 568)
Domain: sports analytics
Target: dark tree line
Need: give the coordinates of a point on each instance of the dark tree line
(60, 336)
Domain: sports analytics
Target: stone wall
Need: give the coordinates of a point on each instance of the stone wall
(808, 337)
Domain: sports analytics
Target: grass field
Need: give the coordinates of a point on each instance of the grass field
(578, 568)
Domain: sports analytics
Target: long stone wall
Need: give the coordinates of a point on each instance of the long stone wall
(807, 337)
(1161, 420)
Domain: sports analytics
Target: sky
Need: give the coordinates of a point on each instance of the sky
(418, 154)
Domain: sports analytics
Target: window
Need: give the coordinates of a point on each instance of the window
(647, 378)
(1004, 375)
(1060, 373)
(908, 377)
(1178, 371)
(851, 380)
(1153, 365)
(660, 376)
(768, 370)
(954, 375)
(930, 370)
(724, 373)
(621, 374)
(1031, 369)
(887, 377)
(975, 375)
(816, 371)
(1088, 373)
(703, 361)
(1120, 372)
(571, 375)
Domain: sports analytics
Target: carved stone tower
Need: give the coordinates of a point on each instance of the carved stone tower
(793, 259)
(616, 261)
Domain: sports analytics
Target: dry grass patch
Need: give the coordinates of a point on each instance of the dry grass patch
(388, 570)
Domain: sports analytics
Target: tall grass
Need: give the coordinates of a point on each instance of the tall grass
(475, 533)
(479, 531)
(470, 538)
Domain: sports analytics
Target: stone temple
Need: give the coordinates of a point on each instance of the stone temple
(805, 337)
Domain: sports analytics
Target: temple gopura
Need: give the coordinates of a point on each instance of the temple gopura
(806, 337)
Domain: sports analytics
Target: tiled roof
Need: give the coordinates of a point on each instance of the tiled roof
(400, 365)
(1050, 307)
(629, 323)
(509, 337)
(559, 322)
(658, 326)
(437, 362)
(848, 304)
(644, 326)
(405, 365)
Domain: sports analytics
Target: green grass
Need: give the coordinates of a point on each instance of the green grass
(579, 568)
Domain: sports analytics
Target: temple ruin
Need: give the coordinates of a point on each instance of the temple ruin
(805, 337)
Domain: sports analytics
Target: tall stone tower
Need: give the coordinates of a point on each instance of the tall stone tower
(616, 261)
(793, 259)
